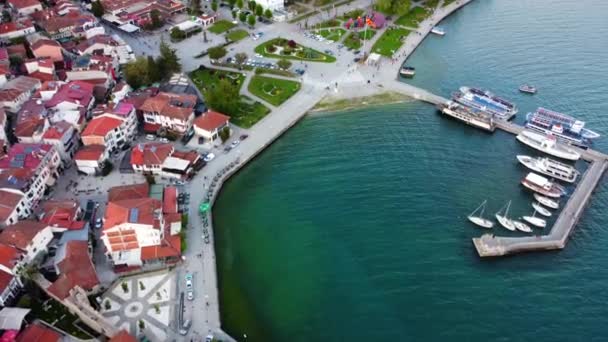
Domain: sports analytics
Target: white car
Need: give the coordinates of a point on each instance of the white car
(258, 55)
(190, 294)
(235, 143)
(209, 157)
(189, 284)
(150, 137)
(164, 140)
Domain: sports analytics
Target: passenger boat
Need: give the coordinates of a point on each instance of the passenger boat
(522, 226)
(547, 144)
(479, 220)
(550, 167)
(540, 209)
(561, 125)
(504, 219)
(535, 221)
(542, 185)
(407, 71)
(438, 31)
(528, 89)
(468, 115)
(547, 202)
(484, 100)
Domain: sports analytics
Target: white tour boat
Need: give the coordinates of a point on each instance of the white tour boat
(542, 185)
(550, 167)
(547, 144)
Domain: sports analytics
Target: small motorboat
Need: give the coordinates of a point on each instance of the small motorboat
(535, 221)
(528, 89)
(479, 220)
(540, 209)
(504, 219)
(438, 31)
(407, 71)
(547, 202)
(522, 227)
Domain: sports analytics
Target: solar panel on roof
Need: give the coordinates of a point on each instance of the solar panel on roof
(133, 214)
(17, 163)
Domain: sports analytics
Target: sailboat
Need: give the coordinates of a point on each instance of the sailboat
(535, 221)
(479, 220)
(503, 219)
(540, 209)
(547, 202)
(522, 226)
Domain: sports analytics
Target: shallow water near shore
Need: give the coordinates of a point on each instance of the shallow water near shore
(353, 226)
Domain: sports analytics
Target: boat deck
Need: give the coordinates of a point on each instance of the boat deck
(492, 246)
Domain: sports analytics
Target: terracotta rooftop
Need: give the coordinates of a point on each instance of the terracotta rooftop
(21, 233)
(76, 268)
(45, 42)
(8, 202)
(20, 4)
(30, 119)
(145, 211)
(177, 106)
(170, 200)
(169, 247)
(13, 26)
(123, 336)
(28, 156)
(210, 120)
(77, 92)
(58, 130)
(101, 126)
(150, 153)
(62, 213)
(90, 152)
(9, 256)
(37, 332)
(132, 191)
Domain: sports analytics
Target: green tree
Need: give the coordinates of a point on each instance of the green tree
(168, 62)
(242, 16)
(284, 64)
(239, 3)
(223, 97)
(401, 7)
(259, 10)
(251, 20)
(177, 34)
(154, 74)
(136, 73)
(384, 6)
(240, 58)
(224, 134)
(214, 6)
(216, 52)
(195, 6)
(268, 13)
(97, 8)
(232, 3)
(234, 15)
(251, 4)
(155, 18)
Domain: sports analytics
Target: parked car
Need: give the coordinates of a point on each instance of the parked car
(185, 327)
(209, 157)
(150, 137)
(164, 140)
(235, 143)
(209, 338)
(243, 137)
(190, 294)
(98, 223)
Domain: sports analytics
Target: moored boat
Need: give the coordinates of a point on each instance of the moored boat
(535, 221)
(407, 71)
(547, 202)
(542, 185)
(438, 31)
(528, 89)
(480, 220)
(503, 219)
(547, 144)
(522, 227)
(540, 209)
(486, 101)
(468, 115)
(550, 167)
(563, 126)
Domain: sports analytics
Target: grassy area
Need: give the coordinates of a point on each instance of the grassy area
(447, 2)
(413, 17)
(279, 72)
(53, 313)
(275, 91)
(322, 2)
(237, 35)
(303, 16)
(332, 104)
(431, 3)
(249, 112)
(355, 39)
(328, 23)
(206, 78)
(331, 34)
(354, 14)
(390, 41)
(221, 26)
(279, 48)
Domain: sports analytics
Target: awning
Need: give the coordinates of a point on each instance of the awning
(12, 318)
(129, 28)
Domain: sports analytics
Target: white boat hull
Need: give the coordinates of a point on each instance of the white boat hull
(522, 227)
(533, 164)
(556, 150)
(547, 202)
(541, 210)
(484, 223)
(505, 222)
(535, 221)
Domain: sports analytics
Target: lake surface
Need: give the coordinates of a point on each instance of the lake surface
(352, 226)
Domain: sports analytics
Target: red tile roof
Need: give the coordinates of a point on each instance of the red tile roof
(210, 120)
(58, 130)
(59, 212)
(30, 118)
(27, 156)
(5, 280)
(9, 256)
(77, 92)
(169, 247)
(75, 269)
(123, 336)
(170, 200)
(139, 211)
(132, 191)
(21, 233)
(45, 42)
(101, 126)
(150, 153)
(8, 202)
(13, 26)
(37, 332)
(90, 152)
(20, 4)
(177, 106)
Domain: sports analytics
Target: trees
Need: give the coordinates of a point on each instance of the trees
(251, 4)
(232, 2)
(223, 97)
(240, 58)
(259, 10)
(216, 52)
(168, 62)
(398, 7)
(284, 64)
(234, 14)
(154, 73)
(242, 17)
(97, 9)
(239, 3)
(156, 21)
(195, 6)
(177, 34)
(251, 20)
(214, 6)
(136, 73)
(224, 134)
(268, 13)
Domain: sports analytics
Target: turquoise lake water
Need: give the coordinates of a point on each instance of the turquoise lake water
(352, 226)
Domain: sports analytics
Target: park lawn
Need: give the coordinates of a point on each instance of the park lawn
(431, 3)
(390, 41)
(328, 23)
(447, 2)
(221, 26)
(413, 17)
(237, 35)
(322, 2)
(305, 54)
(204, 78)
(354, 14)
(275, 91)
(352, 42)
(332, 34)
(249, 113)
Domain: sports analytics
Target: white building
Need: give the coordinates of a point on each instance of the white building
(272, 5)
